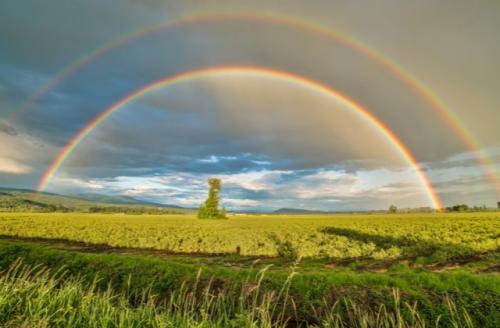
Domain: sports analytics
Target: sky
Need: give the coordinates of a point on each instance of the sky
(274, 142)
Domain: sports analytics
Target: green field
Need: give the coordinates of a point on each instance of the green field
(410, 270)
(434, 236)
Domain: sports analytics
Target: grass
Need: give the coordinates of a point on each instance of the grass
(41, 298)
(366, 291)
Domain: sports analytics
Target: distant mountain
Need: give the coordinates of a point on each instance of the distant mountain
(297, 211)
(25, 199)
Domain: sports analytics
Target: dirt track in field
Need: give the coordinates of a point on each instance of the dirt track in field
(239, 261)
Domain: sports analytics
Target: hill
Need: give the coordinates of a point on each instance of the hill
(19, 200)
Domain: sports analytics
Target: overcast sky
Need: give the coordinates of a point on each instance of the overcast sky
(273, 143)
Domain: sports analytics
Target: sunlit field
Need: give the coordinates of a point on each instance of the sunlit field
(377, 236)
(435, 236)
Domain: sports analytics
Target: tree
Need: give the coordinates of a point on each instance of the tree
(393, 209)
(210, 208)
(458, 208)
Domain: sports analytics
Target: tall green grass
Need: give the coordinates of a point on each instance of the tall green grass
(39, 297)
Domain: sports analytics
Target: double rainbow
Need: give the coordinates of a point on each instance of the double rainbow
(292, 22)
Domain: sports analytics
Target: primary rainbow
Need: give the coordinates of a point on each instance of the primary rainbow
(239, 70)
(404, 75)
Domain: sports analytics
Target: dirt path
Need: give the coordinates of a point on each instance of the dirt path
(482, 262)
(227, 260)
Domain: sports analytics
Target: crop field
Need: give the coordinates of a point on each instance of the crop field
(437, 236)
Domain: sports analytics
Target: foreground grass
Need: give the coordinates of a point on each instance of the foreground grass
(153, 292)
(39, 298)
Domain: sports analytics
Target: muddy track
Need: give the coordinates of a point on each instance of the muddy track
(224, 259)
(235, 260)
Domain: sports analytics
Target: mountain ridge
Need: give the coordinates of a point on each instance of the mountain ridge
(27, 199)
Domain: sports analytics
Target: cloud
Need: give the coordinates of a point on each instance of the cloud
(464, 183)
(471, 159)
(194, 127)
(22, 154)
(83, 97)
(261, 190)
(241, 203)
(8, 129)
(80, 183)
(8, 165)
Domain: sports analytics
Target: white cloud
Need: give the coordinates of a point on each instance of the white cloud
(265, 189)
(254, 180)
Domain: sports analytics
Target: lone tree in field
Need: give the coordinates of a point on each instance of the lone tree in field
(210, 208)
(393, 209)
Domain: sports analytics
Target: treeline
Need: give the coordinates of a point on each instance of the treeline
(131, 210)
(467, 208)
(453, 209)
(11, 204)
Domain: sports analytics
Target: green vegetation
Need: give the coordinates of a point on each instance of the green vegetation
(378, 237)
(467, 208)
(210, 208)
(407, 270)
(458, 208)
(132, 210)
(37, 298)
(93, 287)
(19, 200)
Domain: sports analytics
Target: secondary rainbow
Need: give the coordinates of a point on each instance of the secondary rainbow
(431, 98)
(240, 70)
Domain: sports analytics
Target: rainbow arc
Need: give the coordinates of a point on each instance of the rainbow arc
(263, 72)
(419, 87)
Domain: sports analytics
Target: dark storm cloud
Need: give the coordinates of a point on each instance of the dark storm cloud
(42, 36)
(83, 97)
(467, 189)
(186, 139)
(466, 160)
(353, 74)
